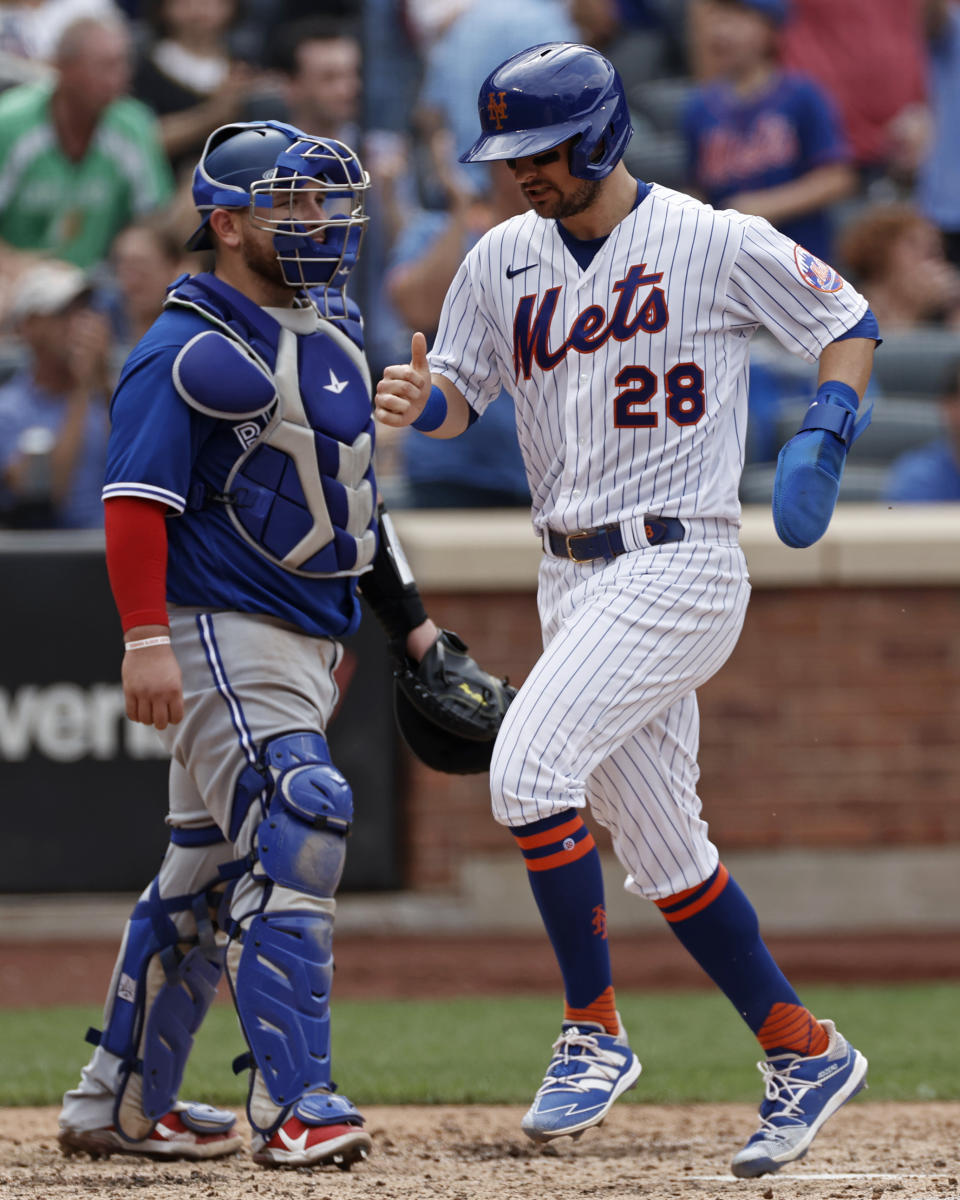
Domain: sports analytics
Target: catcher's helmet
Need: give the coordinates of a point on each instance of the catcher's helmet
(547, 94)
(233, 157)
(263, 166)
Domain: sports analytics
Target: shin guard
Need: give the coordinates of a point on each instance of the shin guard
(280, 959)
(164, 986)
(281, 976)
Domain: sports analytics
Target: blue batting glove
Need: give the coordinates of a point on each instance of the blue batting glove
(810, 465)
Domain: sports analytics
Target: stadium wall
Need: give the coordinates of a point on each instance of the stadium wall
(830, 755)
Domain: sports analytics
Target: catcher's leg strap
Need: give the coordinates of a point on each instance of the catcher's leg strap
(164, 987)
(280, 958)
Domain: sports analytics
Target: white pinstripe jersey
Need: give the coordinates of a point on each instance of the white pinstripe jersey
(630, 378)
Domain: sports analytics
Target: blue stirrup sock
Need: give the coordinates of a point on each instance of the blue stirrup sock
(563, 866)
(718, 926)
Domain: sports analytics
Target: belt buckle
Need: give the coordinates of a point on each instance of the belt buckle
(569, 549)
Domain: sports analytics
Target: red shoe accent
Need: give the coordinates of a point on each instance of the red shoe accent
(169, 1139)
(171, 1126)
(296, 1144)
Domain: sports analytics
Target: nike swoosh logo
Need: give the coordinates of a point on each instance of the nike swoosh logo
(512, 271)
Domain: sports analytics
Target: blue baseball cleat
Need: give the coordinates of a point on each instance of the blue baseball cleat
(801, 1094)
(589, 1070)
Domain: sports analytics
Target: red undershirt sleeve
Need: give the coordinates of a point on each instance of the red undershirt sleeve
(136, 532)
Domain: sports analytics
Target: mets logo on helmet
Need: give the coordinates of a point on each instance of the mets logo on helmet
(814, 271)
(497, 107)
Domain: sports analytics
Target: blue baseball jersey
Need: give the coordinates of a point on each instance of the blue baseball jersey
(738, 144)
(268, 514)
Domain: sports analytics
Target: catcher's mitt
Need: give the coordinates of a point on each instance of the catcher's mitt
(449, 709)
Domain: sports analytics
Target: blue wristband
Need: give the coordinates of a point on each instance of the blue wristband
(835, 409)
(434, 412)
(832, 391)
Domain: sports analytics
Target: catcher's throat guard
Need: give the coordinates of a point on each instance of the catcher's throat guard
(448, 709)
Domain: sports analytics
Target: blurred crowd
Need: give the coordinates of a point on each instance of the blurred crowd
(838, 122)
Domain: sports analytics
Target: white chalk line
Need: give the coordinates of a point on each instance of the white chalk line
(778, 1177)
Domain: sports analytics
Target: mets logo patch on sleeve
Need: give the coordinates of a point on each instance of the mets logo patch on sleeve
(814, 271)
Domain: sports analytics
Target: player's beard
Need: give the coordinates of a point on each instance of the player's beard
(571, 204)
(260, 257)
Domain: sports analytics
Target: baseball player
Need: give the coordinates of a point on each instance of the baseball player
(618, 314)
(240, 513)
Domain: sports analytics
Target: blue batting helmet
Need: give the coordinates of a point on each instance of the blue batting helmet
(547, 94)
(267, 167)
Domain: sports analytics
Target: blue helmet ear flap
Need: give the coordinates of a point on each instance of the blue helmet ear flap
(595, 153)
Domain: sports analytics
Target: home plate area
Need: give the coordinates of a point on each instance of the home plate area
(868, 1151)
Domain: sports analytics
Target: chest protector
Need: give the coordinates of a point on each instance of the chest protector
(303, 492)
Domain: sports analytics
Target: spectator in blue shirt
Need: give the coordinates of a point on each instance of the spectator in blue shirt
(53, 412)
(761, 140)
(483, 467)
(931, 473)
(938, 185)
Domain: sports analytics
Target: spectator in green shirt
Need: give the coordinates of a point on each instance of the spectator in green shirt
(79, 159)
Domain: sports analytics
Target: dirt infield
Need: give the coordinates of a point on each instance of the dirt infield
(869, 1151)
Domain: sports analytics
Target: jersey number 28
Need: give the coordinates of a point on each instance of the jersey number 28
(685, 399)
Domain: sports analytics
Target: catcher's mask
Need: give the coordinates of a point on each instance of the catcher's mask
(545, 95)
(268, 167)
(437, 747)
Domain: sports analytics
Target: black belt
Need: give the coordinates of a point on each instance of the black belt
(607, 541)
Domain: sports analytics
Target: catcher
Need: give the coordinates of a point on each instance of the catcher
(241, 520)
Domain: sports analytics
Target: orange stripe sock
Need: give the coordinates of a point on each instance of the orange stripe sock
(792, 1027)
(602, 1011)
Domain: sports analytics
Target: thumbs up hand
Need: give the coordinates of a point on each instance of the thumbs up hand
(404, 389)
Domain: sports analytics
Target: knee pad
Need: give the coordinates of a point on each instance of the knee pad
(163, 987)
(300, 842)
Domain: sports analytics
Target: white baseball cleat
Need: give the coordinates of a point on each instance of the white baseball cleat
(800, 1094)
(589, 1070)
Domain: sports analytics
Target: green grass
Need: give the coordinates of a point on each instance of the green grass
(478, 1050)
